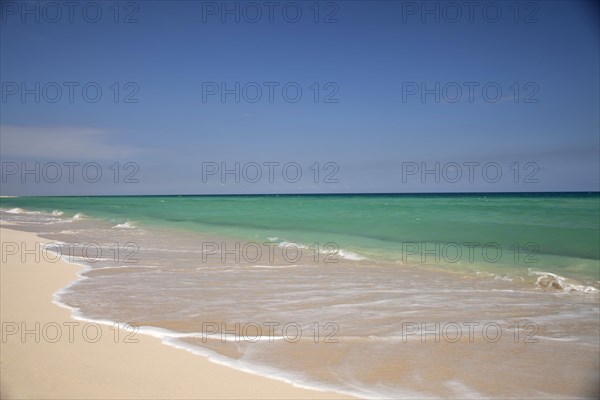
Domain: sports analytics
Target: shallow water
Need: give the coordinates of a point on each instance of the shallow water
(341, 317)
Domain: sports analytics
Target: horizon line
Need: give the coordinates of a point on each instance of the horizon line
(309, 194)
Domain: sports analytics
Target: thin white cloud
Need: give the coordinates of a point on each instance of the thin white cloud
(61, 143)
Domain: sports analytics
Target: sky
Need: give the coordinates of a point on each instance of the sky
(235, 97)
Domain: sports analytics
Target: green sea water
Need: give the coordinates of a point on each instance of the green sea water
(548, 231)
(546, 280)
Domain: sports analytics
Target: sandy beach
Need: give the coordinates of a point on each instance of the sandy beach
(61, 358)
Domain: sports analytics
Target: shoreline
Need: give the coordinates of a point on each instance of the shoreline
(561, 350)
(44, 342)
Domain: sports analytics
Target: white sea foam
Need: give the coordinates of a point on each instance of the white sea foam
(548, 280)
(125, 225)
(285, 243)
(21, 211)
(346, 254)
(349, 255)
(173, 339)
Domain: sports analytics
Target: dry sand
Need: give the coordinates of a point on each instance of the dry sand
(104, 369)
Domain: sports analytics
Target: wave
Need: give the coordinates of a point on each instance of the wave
(125, 225)
(346, 254)
(285, 243)
(21, 211)
(174, 339)
(350, 255)
(548, 280)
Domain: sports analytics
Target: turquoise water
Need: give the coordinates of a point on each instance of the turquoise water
(552, 232)
(546, 279)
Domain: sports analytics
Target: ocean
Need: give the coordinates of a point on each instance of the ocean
(384, 296)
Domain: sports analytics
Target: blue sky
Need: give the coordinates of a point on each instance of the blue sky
(366, 131)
